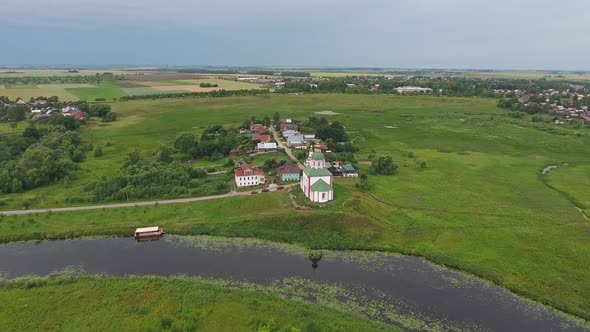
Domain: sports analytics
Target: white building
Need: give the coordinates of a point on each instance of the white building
(266, 147)
(246, 176)
(316, 181)
(405, 89)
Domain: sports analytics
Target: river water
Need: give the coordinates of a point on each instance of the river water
(423, 296)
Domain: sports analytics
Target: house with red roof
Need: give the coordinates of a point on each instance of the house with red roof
(261, 138)
(246, 176)
(258, 128)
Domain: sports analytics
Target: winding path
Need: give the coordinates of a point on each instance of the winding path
(128, 205)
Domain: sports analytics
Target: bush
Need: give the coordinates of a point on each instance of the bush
(383, 166)
(98, 152)
(411, 154)
(110, 117)
(165, 322)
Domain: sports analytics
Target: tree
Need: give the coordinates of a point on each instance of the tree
(245, 124)
(185, 143)
(276, 118)
(364, 183)
(98, 152)
(383, 166)
(266, 121)
(16, 114)
(165, 154)
(32, 132)
(110, 117)
(99, 110)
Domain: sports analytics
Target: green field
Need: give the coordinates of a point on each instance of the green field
(146, 91)
(144, 304)
(105, 91)
(573, 181)
(479, 206)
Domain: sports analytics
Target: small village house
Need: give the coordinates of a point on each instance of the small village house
(258, 128)
(289, 133)
(261, 138)
(349, 171)
(296, 141)
(246, 176)
(289, 172)
(266, 147)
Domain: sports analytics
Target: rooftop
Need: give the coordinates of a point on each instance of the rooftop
(316, 172)
(317, 156)
(348, 168)
(246, 168)
(267, 145)
(321, 186)
(289, 168)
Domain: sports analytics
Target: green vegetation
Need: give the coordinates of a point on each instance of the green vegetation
(479, 205)
(140, 304)
(572, 181)
(102, 92)
(221, 83)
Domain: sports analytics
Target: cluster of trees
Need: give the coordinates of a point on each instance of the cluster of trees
(215, 143)
(208, 85)
(327, 131)
(215, 93)
(139, 178)
(248, 122)
(13, 113)
(99, 110)
(38, 157)
(383, 166)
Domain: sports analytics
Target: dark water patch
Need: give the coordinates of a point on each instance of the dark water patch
(397, 289)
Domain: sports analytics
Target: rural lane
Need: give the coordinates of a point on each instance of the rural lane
(127, 205)
(285, 147)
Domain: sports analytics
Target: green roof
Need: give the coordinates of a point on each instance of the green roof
(316, 172)
(321, 186)
(348, 168)
(317, 156)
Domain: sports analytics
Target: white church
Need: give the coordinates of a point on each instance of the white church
(316, 181)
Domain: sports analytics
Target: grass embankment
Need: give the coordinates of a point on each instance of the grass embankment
(478, 206)
(140, 304)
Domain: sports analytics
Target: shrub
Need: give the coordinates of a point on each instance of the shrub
(165, 322)
(98, 152)
(383, 166)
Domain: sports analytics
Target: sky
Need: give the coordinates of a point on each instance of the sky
(465, 34)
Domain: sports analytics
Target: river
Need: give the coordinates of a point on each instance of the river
(406, 291)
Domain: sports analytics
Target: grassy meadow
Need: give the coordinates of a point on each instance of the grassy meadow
(480, 205)
(155, 304)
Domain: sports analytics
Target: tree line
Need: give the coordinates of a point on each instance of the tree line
(214, 94)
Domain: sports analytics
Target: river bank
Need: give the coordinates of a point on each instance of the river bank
(405, 291)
